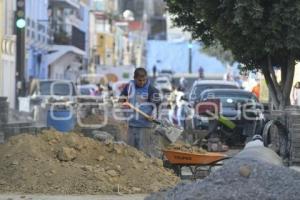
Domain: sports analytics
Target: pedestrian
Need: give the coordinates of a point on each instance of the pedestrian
(201, 73)
(182, 84)
(143, 95)
(29, 85)
(296, 94)
(256, 90)
(154, 71)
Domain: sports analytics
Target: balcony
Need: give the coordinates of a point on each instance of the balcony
(66, 34)
(74, 4)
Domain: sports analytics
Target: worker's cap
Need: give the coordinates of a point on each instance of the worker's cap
(257, 137)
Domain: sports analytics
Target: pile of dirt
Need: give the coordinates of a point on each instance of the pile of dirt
(186, 148)
(240, 179)
(55, 163)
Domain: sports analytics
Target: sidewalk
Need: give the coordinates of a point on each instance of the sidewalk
(71, 197)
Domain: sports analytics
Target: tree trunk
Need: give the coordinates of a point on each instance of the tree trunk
(280, 92)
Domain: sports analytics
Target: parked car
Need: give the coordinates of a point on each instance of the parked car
(87, 90)
(44, 94)
(166, 73)
(163, 84)
(54, 90)
(200, 85)
(240, 107)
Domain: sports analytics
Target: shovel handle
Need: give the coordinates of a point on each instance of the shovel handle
(141, 112)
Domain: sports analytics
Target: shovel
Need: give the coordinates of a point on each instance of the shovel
(171, 132)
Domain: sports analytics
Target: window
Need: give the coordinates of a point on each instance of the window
(28, 33)
(28, 22)
(32, 35)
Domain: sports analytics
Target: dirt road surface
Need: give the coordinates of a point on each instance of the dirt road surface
(81, 197)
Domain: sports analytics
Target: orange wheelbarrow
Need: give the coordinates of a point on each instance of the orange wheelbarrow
(200, 164)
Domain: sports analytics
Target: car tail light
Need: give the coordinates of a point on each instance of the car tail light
(208, 107)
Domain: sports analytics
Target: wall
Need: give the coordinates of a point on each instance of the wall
(59, 68)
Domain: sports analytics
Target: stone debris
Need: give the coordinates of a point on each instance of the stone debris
(239, 179)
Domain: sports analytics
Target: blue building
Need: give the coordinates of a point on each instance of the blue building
(36, 38)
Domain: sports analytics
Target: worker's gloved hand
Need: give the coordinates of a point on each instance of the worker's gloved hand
(150, 118)
(122, 99)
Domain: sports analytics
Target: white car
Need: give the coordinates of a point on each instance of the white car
(163, 84)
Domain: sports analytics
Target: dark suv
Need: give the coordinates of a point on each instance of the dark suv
(195, 97)
(240, 112)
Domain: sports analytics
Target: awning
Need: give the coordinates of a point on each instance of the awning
(61, 50)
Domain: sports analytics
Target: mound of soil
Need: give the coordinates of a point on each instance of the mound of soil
(56, 163)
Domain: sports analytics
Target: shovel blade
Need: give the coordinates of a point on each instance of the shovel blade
(168, 130)
(172, 133)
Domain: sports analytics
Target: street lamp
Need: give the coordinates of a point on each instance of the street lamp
(190, 46)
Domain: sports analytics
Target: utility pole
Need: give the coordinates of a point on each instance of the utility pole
(20, 48)
(190, 46)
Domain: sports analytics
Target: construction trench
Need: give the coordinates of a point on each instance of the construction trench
(39, 160)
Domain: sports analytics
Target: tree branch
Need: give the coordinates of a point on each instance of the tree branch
(270, 85)
(290, 68)
(273, 76)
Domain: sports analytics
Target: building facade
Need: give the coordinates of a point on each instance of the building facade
(7, 52)
(36, 38)
(68, 39)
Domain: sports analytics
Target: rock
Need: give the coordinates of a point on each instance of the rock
(87, 168)
(100, 158)
(135, 165)
(245, 171)
(119, 168)
(118, 149)
(142, 159)
(112, 173)
(136, 190)
(15, 162)
(8, 155)
(2, 182)
(157, 162)
(102, 136)
(52, 171)
(66, 154)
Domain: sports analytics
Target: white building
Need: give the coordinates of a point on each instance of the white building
(68, 47)
(7, 52)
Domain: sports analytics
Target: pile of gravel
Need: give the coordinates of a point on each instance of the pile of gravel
(240, 179)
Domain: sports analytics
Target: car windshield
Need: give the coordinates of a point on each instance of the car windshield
(59, 88)
(198, 89)
(85, 91)
(161, 81)
(166, 72)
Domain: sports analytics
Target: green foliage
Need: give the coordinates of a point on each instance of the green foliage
(251, 29)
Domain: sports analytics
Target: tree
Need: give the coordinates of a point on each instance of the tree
(261, 34)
